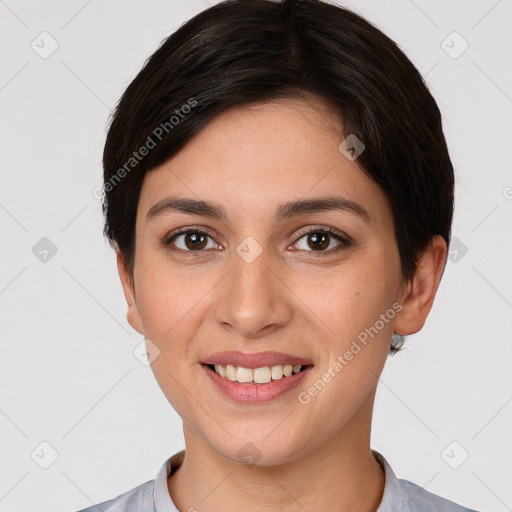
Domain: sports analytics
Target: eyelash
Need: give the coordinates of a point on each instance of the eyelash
(344, 240)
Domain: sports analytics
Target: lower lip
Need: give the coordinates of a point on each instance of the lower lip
(255, 393)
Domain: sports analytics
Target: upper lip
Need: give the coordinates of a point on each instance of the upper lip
(255, 359)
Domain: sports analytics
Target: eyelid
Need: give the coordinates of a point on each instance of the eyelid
(344, 239)
(201, 229)
(325, 229)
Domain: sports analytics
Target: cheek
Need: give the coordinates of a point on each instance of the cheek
(172, 309)
(357, 307)
(350, 298)
(170, 304)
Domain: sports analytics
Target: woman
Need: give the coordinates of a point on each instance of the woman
(280, 195)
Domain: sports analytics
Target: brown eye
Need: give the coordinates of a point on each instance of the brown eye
(191, 241)
(318, 241)
(321, 241)
(195, 241)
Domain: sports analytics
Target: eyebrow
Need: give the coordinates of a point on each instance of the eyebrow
(284, 211)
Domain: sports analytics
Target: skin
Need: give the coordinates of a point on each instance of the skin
(292, 299)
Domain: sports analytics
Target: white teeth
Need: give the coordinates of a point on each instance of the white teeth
(221, 370)
(261, 375)
(244, 375)
(277, 372)
(231, 372)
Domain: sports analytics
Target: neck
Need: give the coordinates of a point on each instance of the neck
(339, 475)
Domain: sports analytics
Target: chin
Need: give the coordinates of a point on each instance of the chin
(259, 451)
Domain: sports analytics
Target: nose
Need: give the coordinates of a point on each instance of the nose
(253, 299)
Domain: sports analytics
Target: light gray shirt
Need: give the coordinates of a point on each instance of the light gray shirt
(153, 496)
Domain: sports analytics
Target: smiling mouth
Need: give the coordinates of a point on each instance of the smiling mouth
(263, 375)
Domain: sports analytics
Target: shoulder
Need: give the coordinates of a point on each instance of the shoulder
(417, 499)
(138, 499)
(406, 496)
(147, 497)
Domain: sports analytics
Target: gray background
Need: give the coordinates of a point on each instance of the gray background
(68, 374)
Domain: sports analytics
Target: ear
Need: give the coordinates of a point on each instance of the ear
(133, 314)
(419, 293)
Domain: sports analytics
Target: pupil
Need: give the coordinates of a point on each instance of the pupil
(320, 240)
(194, 238)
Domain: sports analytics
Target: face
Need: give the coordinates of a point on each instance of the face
(301, 280)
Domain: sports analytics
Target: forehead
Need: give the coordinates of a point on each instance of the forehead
(265, 154)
